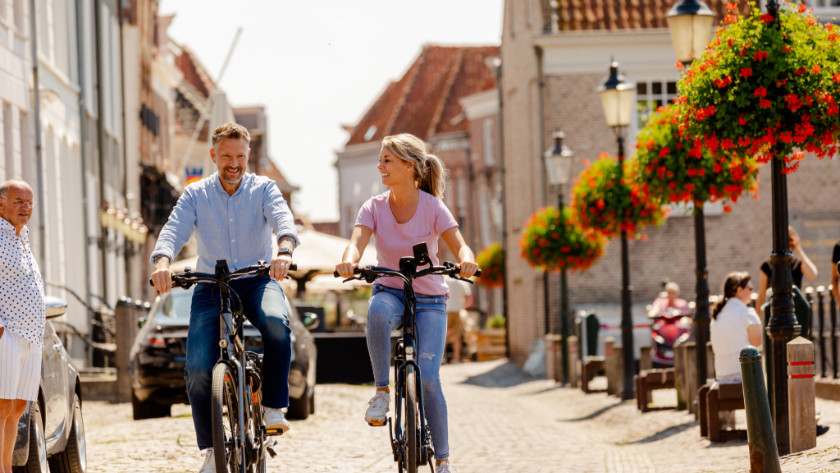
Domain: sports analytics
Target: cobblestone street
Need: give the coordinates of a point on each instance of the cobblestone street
(500, 421)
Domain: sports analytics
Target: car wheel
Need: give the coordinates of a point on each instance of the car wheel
(300, 408)
(37, 460)
(148, 409)
(73, 459)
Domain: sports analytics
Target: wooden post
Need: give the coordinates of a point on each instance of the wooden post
(679, 374)
(690, 366)
(645, 360)
(801, 395)
(572, 356)
(610, 365)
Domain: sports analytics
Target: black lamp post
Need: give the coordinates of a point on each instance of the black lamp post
(782, 326)
(691, 23)
(617, 99)
(558, 162)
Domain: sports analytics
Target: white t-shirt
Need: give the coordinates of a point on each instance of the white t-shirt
(729, 334)
(458, 293)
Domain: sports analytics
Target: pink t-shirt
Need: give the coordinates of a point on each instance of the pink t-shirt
(394, 240)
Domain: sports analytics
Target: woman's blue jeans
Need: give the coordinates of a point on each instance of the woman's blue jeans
(385, 314)
(265, 307)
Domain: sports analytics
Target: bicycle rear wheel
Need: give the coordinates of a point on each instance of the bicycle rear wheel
(412, 440)
(225, 417)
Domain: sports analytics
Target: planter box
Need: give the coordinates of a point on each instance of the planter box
(490, 344)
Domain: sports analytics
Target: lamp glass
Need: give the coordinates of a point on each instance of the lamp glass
(559, 166)
(689, 34)
(618, 105)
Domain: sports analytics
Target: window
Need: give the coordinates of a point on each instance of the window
(3, 7)
(650, 95)
(20, 22)
(489, 159)
(824, 3)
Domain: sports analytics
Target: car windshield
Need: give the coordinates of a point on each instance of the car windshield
(177, 305)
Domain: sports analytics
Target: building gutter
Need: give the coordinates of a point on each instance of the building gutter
(39, 158)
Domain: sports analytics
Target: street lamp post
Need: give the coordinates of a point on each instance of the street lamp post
(782, 326)
(558, 162)
(691, 23)
(617, 96)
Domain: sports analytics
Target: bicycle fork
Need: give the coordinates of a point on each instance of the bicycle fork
(398, 436)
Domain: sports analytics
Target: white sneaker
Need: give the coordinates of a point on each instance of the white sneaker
(377, 411)
(275, 421)
(445, 467)
(209, 465)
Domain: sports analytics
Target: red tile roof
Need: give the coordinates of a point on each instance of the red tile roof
(424, 101)
(577, 15)
(194, 72)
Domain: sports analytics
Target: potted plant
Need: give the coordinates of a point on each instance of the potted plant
(491, 260)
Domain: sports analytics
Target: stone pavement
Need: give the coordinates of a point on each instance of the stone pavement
(500, 421)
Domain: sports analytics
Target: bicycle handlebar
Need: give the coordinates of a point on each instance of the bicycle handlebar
(369, 273)
(187, 278)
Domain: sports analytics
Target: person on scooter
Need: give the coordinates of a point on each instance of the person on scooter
(669, 301)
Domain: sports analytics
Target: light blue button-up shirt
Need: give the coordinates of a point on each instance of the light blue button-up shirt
(236, 228)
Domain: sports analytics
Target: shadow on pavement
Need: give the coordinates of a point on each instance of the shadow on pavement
(673, 430)
(596, 413)
(502, 376)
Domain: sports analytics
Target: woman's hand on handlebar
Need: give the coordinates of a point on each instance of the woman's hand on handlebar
(468, 268)
(345, 270)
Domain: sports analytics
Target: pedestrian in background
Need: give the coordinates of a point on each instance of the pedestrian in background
(460, 299)
(409, 213)
(800, 265)
(22, 315)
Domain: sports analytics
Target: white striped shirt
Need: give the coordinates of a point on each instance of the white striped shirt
(21, 287)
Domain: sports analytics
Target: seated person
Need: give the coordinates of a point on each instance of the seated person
(800, 265)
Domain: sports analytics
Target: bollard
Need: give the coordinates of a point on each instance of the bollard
(833, 326)
(126, 321)
(645, 358)
(573, 350)
(801, 395)
(821, 341)
(764, 454)
(679, 375)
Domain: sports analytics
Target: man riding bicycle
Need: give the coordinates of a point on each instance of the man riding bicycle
(233, 214)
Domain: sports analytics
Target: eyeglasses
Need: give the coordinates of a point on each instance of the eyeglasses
(24, 203)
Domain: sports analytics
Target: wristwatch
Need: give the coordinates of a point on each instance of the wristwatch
(284, 251)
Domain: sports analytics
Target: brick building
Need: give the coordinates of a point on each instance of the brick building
(554, 56)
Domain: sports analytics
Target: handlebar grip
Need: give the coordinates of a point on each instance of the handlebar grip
(355, 271)
(293, 267)
(151, 283)
(477, 273)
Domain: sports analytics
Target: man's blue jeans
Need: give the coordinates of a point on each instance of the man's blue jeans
(384, 314)
(265, 308)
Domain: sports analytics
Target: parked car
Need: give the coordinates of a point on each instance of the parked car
(159, 355)
(51, 432)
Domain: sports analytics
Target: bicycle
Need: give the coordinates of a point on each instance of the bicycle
(240, 439)
(411, 440)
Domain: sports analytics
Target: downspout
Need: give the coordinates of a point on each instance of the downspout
(128, 259)
(540, 126)
(100, 137)
(83, 130)
(497, 71)
(39, 159)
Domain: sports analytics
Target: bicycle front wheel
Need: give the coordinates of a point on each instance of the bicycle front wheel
(225, 417)
(412, 441)
(256, 458)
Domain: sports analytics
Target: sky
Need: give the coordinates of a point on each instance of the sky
(318, 65)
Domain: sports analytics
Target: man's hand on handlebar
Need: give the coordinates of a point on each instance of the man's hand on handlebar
(345, 270)
(162, 276)
(279, 267)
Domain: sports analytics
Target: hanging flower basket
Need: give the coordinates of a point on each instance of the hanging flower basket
(491, 260)
(678, 170)
(554, 240)
(608, 203)
(763, 89)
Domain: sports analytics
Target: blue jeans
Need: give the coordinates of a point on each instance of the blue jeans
(384, 314)
(265, 308)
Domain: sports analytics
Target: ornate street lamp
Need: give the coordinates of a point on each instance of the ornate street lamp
(617, 99)
(691, 23)
(558, 162)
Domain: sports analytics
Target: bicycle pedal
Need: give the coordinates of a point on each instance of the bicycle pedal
(274, 431)
(376, 424)
(271, 452)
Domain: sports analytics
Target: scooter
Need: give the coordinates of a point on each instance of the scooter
(667, 328)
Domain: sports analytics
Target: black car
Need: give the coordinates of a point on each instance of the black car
(51, 432)
(159, 355)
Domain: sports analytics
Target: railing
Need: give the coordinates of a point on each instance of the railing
(825, 341)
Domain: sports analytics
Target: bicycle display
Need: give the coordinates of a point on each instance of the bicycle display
(411, 440)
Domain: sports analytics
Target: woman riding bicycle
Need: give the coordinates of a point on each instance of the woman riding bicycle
(409, 213)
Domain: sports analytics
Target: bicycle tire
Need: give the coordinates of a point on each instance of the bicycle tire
(224, 415)
(255, 428)
(412, 440)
